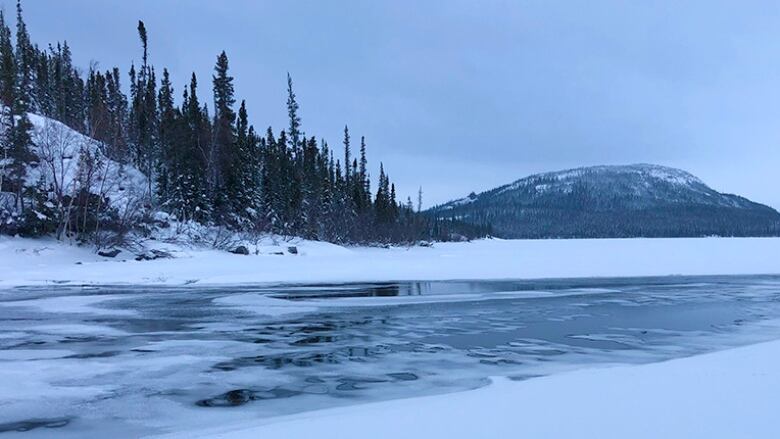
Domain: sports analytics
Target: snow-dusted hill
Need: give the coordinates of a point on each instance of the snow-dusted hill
(614, 201)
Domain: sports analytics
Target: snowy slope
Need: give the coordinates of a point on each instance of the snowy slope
(58, 148)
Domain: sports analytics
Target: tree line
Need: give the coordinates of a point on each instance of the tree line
(200, 164)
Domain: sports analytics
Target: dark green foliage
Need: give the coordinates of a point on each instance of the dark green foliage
(16, 142)
(185, 142)
(7, 65)
(223, 182)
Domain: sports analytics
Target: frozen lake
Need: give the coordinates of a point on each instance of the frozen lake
(88, 362)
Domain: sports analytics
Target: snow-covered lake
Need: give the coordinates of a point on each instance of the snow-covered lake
(135, 361)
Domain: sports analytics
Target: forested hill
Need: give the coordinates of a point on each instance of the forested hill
(73, 139)
(613, 201)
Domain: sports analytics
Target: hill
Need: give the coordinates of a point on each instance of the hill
(612, 202)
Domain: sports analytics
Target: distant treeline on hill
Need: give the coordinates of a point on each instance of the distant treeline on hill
(197, 164)
(613, 202)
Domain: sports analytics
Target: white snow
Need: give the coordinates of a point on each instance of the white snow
(565, 178)
(728, 394)
(36, 262)
(58, 148)
(459, 202)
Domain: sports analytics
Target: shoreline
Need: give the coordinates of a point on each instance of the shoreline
(28, 262)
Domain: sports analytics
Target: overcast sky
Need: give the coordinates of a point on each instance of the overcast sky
(461, 96)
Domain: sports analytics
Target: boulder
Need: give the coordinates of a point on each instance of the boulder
(152, 255)
(457, 237)
(240, 250)
(112, 253)
(293, 250)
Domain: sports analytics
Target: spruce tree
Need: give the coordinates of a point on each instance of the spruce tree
(168, 164)
(240, 181)
(190, 180)
(363, 170)
(7, 65)
(143, 114)
(224, 137)
(16, 142)
(25, 60)
(347, 155)
(292, 112)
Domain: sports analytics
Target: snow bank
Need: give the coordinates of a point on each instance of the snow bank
(35, 262)
(728, 394)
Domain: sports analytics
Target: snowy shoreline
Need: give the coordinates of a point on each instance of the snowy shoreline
(727, 394)
(27, 262)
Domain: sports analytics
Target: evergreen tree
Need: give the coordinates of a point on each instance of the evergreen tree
(347, 155)
(241, 180)
(189, 186)
(223, 149)
(25, 61)
(16, 141)
(292, 113)
(7, 65)
(117, 110)
(143, 115)
(168, 136)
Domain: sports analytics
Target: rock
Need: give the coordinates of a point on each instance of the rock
(152, 255)
(229, 399)
(293, 250)
(457, 237)
(425, 244)
(109, 253)
(240, 250)
(160, 254)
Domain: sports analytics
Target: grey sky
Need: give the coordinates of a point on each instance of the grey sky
(459, 96)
